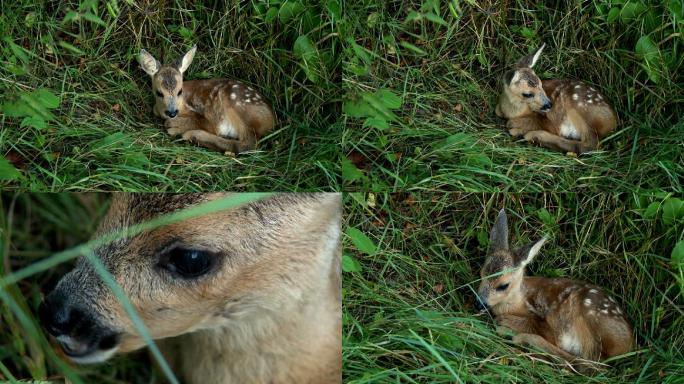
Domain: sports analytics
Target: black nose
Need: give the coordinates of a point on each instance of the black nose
(546, 106)
(479, 305)
(171, 113)
(57, 316)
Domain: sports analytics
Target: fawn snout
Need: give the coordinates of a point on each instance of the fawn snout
(80, 333)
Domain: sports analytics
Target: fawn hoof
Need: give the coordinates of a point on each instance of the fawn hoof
(516, 132)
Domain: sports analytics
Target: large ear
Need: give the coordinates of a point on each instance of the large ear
(530, 60)
(524, 255)
(498, 238)
(184, 62)
(148, 63)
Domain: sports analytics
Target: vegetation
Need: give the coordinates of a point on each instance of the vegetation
(76, 109)
(422, 79)
(411, 271)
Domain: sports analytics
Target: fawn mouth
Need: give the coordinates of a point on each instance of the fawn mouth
(89, 352)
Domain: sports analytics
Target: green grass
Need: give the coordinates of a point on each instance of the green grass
(408, 311)
(103, 135)
(444, 61)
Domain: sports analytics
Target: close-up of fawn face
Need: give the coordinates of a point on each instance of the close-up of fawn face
(199, 273)
(504, 268)
(523, 86)
(167, 82)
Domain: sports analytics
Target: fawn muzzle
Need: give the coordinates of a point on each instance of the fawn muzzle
(82, 337)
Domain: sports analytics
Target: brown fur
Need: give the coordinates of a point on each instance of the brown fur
(573, 320)
(577, 119)
(219, 114)
(269, 312)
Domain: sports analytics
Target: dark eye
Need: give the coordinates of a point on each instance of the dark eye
(188, 262)
(179, 92)
(159, 94)
(502, 287)
(527, 95)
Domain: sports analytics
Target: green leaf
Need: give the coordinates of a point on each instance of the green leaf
(545, 216)
(46, 98)
(673, 210)
(17, 50)
(678, 254)
(435, 18)
(413, 48)
(613, 15)
(376, 122)
(349, 171)
(71, 48)
(34, 121)
(350, 264)
(334, 9)
(290, 10)
(631, 10)
(389, 98)
(271, 14)
(7, 170)
(93, 19)
(361, 241)
(651, 210)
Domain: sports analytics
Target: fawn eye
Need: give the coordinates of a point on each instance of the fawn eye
(179, 92)
(188, 263)
(527, 95)
(502, 287)
(159, 94)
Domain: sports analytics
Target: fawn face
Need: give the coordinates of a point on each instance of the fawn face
(217, 270)
(167, 82)
(503, 271)
(523, 86)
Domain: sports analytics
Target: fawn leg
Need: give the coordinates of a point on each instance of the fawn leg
(179, 125)
(538, 342)
(555, 142)
(217, 143)
(520, 126)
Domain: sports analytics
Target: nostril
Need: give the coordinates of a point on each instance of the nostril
(171, 113)
(56, 317)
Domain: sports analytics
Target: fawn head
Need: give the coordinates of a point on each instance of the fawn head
(523, 86)
(217, 271)
(504, 269)
(167, 82)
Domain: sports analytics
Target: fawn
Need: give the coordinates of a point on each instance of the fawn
(563, 115)
(563, 317)
(246, 295)
(219, 114)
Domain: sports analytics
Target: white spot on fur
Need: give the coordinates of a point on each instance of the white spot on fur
(619, 311)
(606, 305)
(236, 86)
(233, 96)
(575, 96)
(568, 130)
(570, 343)
(604, 311)
(578, 86)
(590, 101)
(593, 291)
(226, 129)
(587, 302)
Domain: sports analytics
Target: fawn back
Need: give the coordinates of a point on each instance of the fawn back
(560, 316)
(219, 114)
(564, 115)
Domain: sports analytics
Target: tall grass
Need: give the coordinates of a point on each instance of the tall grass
(409, 284)
(34, 230)
(443, 60)
(77, 109)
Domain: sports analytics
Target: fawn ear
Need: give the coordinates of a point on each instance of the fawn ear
(530, 60)
(184, 62)
(148, 63)
(524, 255)
(498, 238)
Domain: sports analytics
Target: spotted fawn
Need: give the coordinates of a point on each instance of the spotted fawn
(563, 115)
(220, 114)
(574, 320)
